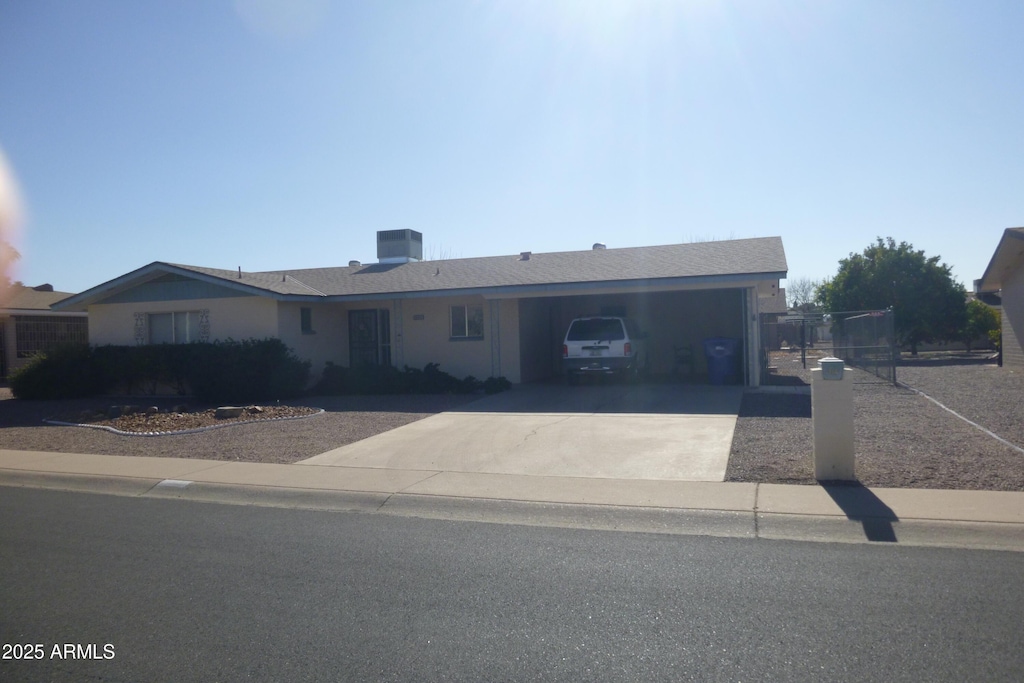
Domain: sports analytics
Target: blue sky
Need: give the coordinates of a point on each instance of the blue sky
(283, 135)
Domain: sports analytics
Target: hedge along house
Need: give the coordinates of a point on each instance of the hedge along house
(29, 327)
(1004, 277)
(492, 316)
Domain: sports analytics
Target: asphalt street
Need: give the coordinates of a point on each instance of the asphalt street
(156, 590)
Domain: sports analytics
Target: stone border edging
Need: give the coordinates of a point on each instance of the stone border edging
(320, 411)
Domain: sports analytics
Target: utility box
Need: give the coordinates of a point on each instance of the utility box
(831, 368)
(832, 421)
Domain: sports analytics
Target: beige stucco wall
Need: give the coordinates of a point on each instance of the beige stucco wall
(506, 357)
(1013, 320)
(327, 342)
(234, 317)
(426, 338)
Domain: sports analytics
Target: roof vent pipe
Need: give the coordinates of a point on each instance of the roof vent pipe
(599, 245)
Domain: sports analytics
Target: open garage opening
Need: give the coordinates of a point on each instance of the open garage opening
(672, 320)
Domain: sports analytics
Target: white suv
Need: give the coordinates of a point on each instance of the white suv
(603, 345)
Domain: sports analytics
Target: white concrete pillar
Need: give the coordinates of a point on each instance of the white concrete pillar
(832, 421)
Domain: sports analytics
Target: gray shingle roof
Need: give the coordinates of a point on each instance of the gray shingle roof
(698, 260)
(707, 262)
(19, 298)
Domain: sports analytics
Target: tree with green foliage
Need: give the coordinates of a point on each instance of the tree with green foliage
(929, 305)
(981, 321)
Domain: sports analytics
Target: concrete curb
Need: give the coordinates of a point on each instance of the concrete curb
(903, 517)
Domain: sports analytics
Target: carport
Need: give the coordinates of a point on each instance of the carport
(670, 318)
(678, 294)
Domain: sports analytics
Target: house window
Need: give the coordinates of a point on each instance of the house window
(306, 315)
(174, 328)
(467, 322)
(35, 334)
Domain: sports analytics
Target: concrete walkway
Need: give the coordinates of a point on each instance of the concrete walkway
(976, 519)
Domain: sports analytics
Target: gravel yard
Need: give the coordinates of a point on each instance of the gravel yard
(902, 439)
(346, 419)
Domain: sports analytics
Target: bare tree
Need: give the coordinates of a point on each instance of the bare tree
(440, 254)
(802, 293)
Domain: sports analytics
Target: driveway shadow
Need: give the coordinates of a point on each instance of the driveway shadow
(610, 398)
(860, 504)
(776, 405)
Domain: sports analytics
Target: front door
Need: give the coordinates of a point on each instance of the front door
(369, 337)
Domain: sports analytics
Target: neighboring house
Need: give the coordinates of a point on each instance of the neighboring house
(28, 326)
(1005, 277)
(493, 316)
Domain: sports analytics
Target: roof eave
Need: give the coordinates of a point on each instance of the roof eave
(554, 288)
(1002, 261)
(26, 312)
(81, 301)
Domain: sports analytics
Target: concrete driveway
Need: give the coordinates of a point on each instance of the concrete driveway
(657, 431)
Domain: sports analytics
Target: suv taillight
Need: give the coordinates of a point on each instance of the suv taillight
(627, 349)
(565, 350)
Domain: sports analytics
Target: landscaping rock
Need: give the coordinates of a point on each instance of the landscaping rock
(227, 412)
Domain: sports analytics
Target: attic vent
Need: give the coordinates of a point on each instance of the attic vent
(354, 264)
(43, 288)
(525, 256)
(599, 245)
(399, 246)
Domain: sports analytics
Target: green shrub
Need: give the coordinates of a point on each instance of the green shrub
(494, 385)
(382, 379)
(65, 371)
(243, 371)
(221, 372)
(362, 380)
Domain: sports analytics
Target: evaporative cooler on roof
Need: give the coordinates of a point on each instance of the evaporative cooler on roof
(399, 246)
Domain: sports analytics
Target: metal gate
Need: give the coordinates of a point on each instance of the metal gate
(369, 337)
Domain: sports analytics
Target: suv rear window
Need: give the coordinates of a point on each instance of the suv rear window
(596, 329)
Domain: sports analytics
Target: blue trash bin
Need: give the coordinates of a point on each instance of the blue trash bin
(721, 355)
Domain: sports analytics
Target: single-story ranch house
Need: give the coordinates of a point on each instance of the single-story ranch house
(1005, 276)
(28, 326)
(492, 316)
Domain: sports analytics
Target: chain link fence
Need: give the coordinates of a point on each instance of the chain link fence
(863, 339)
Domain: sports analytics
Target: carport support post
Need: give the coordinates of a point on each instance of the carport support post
(832, 421)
